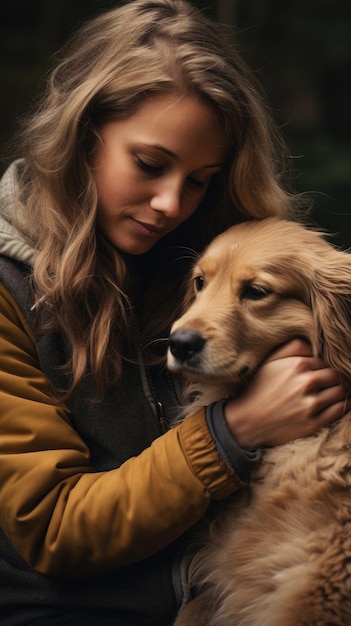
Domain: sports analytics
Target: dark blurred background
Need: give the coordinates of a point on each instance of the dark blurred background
(300, 51)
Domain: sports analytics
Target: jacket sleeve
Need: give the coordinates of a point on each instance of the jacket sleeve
(62, 516)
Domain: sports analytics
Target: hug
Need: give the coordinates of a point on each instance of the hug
(151, 138)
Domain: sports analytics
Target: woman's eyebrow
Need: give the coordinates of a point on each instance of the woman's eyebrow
(175, 156)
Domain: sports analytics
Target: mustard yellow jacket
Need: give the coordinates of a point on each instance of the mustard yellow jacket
(61, 515)
(70, 514)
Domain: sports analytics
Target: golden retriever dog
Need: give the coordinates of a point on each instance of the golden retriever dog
(281, 554)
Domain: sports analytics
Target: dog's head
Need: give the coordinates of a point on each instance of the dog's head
(256, 286)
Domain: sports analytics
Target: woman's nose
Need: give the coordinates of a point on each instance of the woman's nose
(167, 199)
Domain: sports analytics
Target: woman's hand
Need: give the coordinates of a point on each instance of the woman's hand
(293, 394)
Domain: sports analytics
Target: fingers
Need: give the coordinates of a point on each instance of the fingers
(296, 347)
(321, 394)
(327, 416)
(329, 395)
(326, 377)
(325, 406)
(330, 404)
(321, 377)
(292, 395)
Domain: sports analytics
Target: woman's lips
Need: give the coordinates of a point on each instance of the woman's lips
(148, 230)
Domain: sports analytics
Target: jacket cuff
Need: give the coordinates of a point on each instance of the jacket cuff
(204, 458)
(242, 461)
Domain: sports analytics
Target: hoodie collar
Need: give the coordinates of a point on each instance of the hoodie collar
(12, 244)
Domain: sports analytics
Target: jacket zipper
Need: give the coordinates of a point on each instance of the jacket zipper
(150, 394)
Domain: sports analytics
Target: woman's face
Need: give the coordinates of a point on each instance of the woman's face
(153, 168)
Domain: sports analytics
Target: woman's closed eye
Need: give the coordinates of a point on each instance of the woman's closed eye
(152, 168)
(195, 182)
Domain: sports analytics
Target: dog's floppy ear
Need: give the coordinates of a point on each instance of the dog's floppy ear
(331, 306)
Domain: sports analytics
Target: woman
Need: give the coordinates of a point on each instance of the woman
(151, 138)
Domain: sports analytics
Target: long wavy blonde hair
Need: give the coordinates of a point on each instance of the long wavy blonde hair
(111, 65)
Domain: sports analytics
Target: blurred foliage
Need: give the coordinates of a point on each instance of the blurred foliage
(300, 52)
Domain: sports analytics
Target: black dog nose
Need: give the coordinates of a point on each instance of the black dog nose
(185, 344)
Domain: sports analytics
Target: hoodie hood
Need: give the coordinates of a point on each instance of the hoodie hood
(12, 244)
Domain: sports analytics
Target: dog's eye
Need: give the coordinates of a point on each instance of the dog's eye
(199, 283)
(253, 292)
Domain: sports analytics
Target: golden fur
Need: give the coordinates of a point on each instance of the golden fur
(282, 556)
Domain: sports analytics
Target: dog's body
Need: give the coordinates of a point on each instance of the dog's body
(282, 554)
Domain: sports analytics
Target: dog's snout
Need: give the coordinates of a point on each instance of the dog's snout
(185, 344)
